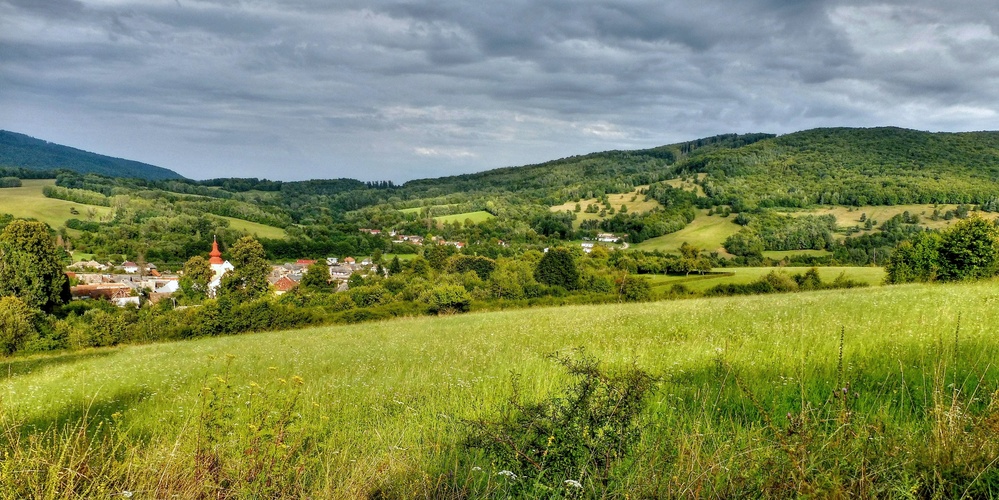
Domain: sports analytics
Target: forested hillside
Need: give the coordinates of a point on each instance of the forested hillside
(842, 166)
(22, 151)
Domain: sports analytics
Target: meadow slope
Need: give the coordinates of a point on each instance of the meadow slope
(383, 403)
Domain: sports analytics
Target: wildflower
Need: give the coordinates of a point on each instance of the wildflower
(298, 380)
(126, 494)
(476, 468)
(573, 483)
(508, 474)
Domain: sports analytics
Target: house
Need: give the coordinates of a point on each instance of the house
(119, 294)
(129, 267)
(283, 285)
(340, 272)
(349, 261)
(305, 262)
(607, 238)
(331, 261)
(587, 246)
(372, 231)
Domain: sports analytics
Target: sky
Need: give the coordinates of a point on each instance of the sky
(406, 89)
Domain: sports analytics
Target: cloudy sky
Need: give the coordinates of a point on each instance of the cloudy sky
(404, 89)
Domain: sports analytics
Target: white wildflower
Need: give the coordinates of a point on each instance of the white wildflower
(126, 494)
(476, 468)
(507, 473)
(573, 483)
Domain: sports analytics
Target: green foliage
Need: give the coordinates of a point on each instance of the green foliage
(558, 268)
(10, 182)
(197, 274)
(915, 260)
(878, 166)
(969, 250)
(248, 279)
(634, 288)
(482, 266)
(30, 266)
(17, 324)
(569, 442)
(317, 278)
(447, 299)
(437, 255)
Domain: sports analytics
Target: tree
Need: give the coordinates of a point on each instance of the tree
(969, 249)
(395, 267)
(197, 275)
(30, 267)
(917, 259)
(558, 268)
(17, 324)
(248, 278)
(317, 278)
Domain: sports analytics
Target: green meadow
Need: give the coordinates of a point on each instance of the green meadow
(475, 217)
(873, 276)
(28, 202)
(878, 392)
(707, 232)
(256, 229)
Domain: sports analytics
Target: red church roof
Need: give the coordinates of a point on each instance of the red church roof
(215, 257)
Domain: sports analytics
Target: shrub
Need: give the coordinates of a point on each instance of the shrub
(568, 441)
(447, 299)
(17, 324)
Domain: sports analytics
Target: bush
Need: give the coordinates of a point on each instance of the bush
(447, 299)
(569, 441)
(17, 324)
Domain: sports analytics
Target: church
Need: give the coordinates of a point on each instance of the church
(219, 267)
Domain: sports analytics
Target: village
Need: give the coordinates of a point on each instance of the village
(134, 284)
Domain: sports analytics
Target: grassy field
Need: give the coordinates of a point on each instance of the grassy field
(28, 202)
(636, 204)
(707, 232)
(745, 408)
(259, 230)
(780, 254)
(742, 275)
(476, 217)
(850, 216)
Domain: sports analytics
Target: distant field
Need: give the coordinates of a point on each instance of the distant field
(416, 210)
(780, 254)
(688, 186)
(639, 205)
(742, 275)
(476, 217)
(707, 232)
(850, 216)
(260, 230)
(28, 202)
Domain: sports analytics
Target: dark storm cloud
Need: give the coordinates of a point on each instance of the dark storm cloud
(405, 89)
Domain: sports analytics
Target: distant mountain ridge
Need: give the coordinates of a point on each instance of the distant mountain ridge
(23, 151)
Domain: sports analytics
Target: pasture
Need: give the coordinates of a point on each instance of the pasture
(28, 202)
(873, 276)
(475, 217)
(635, 202)
(747, 404)
(707, 232)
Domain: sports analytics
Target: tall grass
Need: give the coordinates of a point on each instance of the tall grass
(882, 392)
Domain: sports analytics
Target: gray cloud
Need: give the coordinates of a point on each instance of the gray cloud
(298, 89)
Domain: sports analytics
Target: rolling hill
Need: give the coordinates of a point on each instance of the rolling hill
(22, 151)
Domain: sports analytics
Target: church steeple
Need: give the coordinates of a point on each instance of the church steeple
(215, 255)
